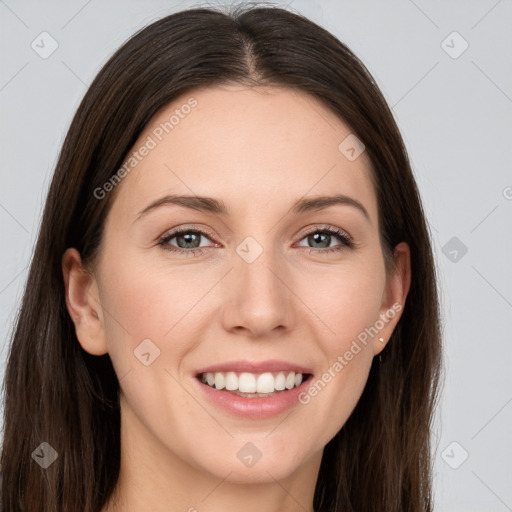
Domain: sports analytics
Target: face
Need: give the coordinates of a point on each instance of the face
(262, 279)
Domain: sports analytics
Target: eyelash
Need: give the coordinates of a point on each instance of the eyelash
(342, 236)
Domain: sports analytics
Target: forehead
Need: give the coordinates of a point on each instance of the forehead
(249, 146)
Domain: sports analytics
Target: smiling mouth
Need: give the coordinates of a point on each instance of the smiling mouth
(254, 385)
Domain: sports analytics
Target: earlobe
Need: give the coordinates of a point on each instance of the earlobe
(82, 302)
(395, 295)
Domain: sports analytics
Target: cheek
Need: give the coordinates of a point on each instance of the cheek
(346, 299)
(148, 296)
(143, 301)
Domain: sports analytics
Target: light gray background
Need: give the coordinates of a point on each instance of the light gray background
(455, 116)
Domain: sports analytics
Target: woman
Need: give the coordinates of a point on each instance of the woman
(232, 300)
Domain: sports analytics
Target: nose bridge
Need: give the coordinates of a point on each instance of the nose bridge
(260, 298)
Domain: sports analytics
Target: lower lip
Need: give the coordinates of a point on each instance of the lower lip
(254, 408)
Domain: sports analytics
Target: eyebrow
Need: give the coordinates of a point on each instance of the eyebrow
(218, 207)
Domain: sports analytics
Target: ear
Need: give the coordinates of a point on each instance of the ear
(394, 296)
(82, 301)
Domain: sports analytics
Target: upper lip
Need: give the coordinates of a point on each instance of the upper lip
(255, 367)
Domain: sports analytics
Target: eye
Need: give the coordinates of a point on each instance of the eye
(324, 236)
(188, 241)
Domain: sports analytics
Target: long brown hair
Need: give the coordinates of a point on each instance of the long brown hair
(55, 392)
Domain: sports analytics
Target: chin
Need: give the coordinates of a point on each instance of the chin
(242, 470)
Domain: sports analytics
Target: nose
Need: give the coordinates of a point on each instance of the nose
(259, 299)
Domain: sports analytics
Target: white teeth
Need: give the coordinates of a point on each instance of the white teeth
(265, 383)
(280, 382)
(231, 381)
(245, 382)
(219, 381)
(290, 380)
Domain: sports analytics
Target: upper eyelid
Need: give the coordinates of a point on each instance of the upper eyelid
(176, 231)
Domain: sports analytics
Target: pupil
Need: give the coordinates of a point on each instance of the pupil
(189, 238)
(318, 236)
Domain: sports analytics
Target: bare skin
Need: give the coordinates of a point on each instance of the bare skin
(259, 151)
